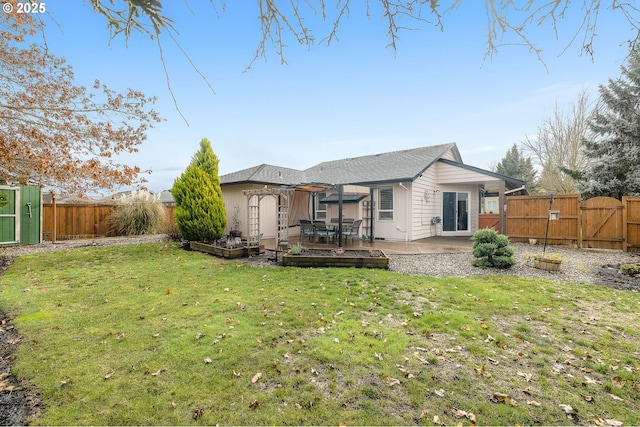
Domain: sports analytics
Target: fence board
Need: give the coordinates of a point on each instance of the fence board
(78, 221)
(632, 209)
(526, 218)
(602, 223)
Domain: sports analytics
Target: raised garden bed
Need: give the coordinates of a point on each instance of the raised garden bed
(330, 258)
(223, 252)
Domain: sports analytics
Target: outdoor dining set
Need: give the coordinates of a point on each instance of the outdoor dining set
(318, 230)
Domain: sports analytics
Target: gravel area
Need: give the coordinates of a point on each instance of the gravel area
(595, 266)
(582, 266)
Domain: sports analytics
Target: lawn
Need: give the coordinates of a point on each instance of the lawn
(153, 335)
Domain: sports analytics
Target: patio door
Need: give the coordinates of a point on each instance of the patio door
(455, 211)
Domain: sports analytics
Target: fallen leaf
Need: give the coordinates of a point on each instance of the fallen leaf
(254, 404)
(503, 398)
(256, 377)
(480, 370)
(571, 413)
(612, 422)
(198, 413)
(158, 372)
(378, 356)
(614, 397)
(207, 360)
(493, 361)
(533, 403)
(391, 381)
(436, 420)
(439, 392)
(618, 382)
(199, 335)
(527, 377)
(108, 375)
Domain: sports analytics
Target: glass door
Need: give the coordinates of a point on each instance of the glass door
(455, 211)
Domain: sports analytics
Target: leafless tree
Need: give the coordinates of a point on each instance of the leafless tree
(558, 144)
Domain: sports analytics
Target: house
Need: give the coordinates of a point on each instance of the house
(401, 195)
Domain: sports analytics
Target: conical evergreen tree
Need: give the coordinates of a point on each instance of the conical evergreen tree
(515, 165)
(616, 143)
(200, 214)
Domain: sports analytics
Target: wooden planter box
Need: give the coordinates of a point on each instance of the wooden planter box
(348, 259)
(218, 251)
(546, 264)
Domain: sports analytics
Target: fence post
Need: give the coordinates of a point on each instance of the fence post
(625, 224)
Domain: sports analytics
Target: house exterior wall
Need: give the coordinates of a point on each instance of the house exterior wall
(232, 196)
(427, 204)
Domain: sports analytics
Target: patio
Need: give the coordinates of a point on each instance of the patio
(431, 245)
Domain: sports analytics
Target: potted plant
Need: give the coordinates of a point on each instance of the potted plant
(235, 223)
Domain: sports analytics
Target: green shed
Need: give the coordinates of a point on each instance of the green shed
(20, 218)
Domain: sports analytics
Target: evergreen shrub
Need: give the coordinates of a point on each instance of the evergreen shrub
(491, 249)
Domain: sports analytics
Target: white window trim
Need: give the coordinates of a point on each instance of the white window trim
(379, 204)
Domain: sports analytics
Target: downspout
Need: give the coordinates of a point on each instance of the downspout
(407, 213)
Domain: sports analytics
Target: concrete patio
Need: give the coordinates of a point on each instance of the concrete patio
(431, 245)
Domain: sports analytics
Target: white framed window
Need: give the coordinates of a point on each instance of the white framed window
(492, 205)
(321, 208)
(385, 203)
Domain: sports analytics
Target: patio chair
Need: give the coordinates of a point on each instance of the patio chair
(306, 229)
(351, 230)
(322, 232)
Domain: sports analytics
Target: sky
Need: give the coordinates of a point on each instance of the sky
(355, 97)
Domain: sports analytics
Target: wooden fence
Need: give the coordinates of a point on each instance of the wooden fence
(81, 221)
(600, 222)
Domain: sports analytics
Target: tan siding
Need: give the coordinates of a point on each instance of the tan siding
(427, 203)
(448, 174)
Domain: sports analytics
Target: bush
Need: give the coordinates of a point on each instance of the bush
(171, 230)
(200, 214)
(138, 217)
(491, 249)
(630, 269)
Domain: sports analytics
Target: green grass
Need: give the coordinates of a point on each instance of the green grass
(353, 346)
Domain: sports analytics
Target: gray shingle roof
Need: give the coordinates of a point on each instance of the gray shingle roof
(394, 166)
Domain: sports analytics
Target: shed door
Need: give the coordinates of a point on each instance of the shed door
(10, 216)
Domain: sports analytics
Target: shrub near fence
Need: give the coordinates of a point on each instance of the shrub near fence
(600, 222)
(79, 221)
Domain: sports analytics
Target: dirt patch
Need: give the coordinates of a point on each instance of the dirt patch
(610, 275)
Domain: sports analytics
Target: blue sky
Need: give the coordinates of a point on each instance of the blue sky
(355, 97)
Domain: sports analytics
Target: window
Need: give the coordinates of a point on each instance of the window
(385, 203)
(321, 208)
(492, 205)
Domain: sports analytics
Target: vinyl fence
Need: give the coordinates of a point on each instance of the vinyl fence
(74, 221)
(600, 222)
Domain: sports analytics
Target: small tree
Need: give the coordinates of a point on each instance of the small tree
(200, 214)
(491, 249)
(515, 165)
(4, 200)
(615, 143)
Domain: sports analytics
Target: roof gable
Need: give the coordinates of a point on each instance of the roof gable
(394, 166)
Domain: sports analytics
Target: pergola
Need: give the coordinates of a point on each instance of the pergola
(283, 195)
